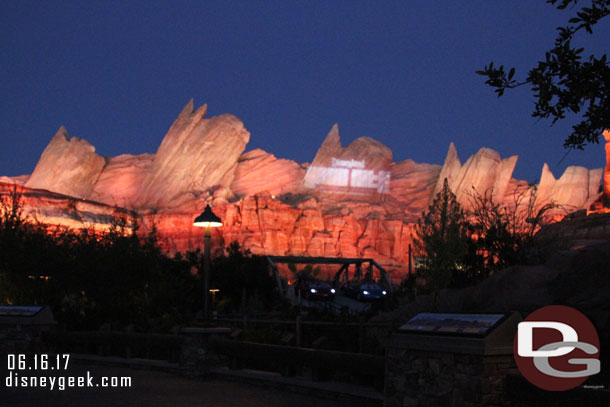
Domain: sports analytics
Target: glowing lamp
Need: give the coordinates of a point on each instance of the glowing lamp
(207, 219)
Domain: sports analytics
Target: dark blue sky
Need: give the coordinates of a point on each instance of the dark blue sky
(402, 72)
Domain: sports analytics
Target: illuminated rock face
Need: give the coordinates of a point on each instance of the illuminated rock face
(602, 204)
(57, 209)
(121, 179)
(351, 201)
(483, 172)
(607, 170)
(269, 226)
(258, 171)
(68, 165)
(412, 185)
(360, 170)
(575, 189)
(19, 180)
(195, 155)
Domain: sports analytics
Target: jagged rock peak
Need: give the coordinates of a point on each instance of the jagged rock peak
(363, 148)
(331, 146)
(196, 154)
(576, 188)
(450, 169)
(68, 165)
(182, 126)
(62, 136)
(62, 132)
(484, 173)
(358, 171)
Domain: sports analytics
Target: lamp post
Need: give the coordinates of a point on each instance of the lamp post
(206, 220)
(214, 291)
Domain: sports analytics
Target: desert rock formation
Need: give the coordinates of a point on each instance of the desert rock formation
(258, 171)
(121, 179)
(69, 165)
(196, 154)
(361, 169)
(351, 201)
(602, 204)
(484, 172)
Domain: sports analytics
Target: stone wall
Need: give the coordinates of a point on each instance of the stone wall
(426, 378)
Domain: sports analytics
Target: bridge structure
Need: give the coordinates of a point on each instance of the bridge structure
(364, 268)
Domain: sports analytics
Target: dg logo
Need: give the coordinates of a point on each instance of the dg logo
(557, 348)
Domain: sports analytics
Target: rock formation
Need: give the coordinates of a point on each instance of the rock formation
(351, 201)
(361, 169)
(68, 165)
(575, 189)
(412, 185)
(121, 179)
(19, 180)
(484, 172)
(195, 155)
(258, 171)
(602, 204)
(606, 198)
(58, 209)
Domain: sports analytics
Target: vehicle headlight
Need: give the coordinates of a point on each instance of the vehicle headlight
(332, 290)
(313, 291)
(365, 292)
(384, 292)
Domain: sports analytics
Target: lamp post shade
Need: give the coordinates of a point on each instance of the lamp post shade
(207, 219)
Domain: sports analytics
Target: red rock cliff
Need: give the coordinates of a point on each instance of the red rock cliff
(351, 201)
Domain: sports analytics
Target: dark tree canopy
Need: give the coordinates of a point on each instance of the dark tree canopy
(564, 81)
(441, 239)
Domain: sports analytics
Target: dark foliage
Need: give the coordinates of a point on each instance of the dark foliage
(457, 249)
(91, 278)
(244, 280)
(565, 82)
(441, 240)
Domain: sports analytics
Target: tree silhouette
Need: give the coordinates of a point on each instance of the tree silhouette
(441, 240)
(90, 278)
(563, 82)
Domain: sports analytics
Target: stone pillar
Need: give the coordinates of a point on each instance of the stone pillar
(606, 196)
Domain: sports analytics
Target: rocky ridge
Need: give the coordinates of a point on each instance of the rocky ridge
(351, 201)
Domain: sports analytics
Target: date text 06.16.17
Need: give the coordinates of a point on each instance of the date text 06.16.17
(37, 361)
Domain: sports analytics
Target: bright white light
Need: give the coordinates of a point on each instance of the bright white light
(347, 174)
(313, 291)
(332, 290)
(207, 224)
(384, 292)
(365, 292)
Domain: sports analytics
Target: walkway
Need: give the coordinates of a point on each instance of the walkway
(160, 389)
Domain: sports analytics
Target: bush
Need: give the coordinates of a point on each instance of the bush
(244, 280)
(457, 249)
(90, 278)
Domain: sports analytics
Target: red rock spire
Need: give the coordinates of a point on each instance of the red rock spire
(602, 203)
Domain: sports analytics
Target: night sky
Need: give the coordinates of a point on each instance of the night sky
(402, 72)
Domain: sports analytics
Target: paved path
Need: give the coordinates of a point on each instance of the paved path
(159, 389)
